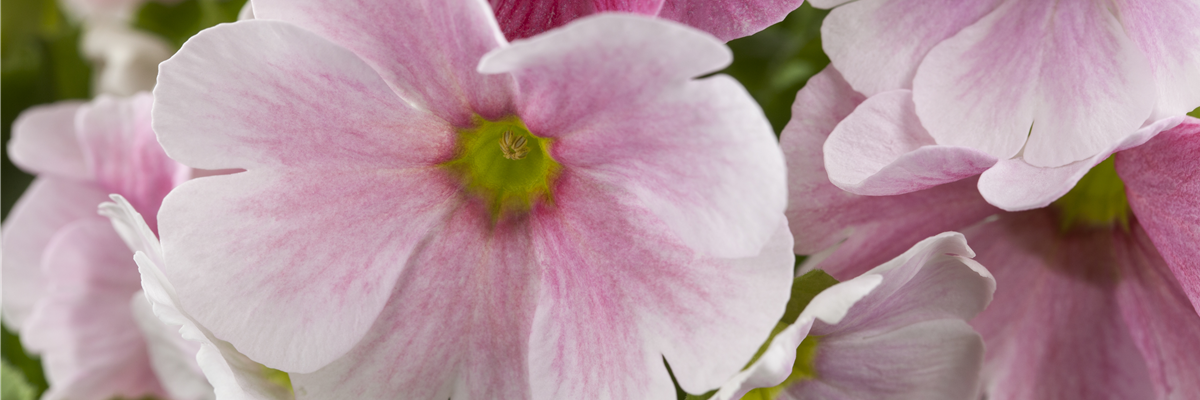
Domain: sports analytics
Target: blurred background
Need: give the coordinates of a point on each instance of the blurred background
(48, 53)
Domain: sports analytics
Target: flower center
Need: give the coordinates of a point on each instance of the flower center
(1097, 200)
(504, 164)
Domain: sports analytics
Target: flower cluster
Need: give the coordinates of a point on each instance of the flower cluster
(513, 199)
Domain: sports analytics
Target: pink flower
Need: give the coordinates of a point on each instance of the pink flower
(725, 19)
(1030, 93)
(898, 331)
(429, 211)
(68, 278)
(1082, 311)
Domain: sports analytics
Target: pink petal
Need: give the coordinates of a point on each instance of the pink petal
(1166, 31)
(882, 149)
(1054, 329)
(1162, 321)
(124, 154)
(311, 258)
(1065, 68)
(620, 293)
(1162, 183)
(1016, 185)
(426, 50)
(268, 94)
(866, 230)
(521, 19)
(457, 325)
(84, 328)
(43, 141)
(728, 19)
(46, 207)
(878, 44)
(172, 357)
(698, 153)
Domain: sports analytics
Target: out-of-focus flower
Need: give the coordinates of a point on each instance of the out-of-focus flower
(1092, 300)
(124, 59)
(1031, 93)
(417, 219)
(725, 19)
(898, 331)
(231, 374)
(68, 279)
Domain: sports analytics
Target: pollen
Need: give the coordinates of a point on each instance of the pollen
(511, 179)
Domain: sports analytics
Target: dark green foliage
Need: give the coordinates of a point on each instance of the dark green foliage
(180, 21)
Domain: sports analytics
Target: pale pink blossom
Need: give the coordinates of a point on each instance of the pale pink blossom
(1030, 93)
(68, 278)
(1081, 312)
(124, 60)
(898, 331)
(353, 255)
(725, 19)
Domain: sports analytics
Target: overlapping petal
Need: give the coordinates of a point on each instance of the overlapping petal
(521, 19)
(1167, 34)
(728, 19)
(643, 126)
(44, 142)
(426, 50)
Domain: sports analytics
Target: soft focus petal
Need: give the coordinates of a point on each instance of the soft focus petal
(426, 50)
(1016, 185)
(521, 19)
(44, 142)
(1162, 321)
(172, 357)
(866, 231)
(1066, 68)
(882, 149)
(644, 123)
(268, 94)
(1055, 329)
(728, 19)
(125, 59)
(48, 205)
(456, 327)
(615, 278)
(1162, 182)
(1167, 32)
(292, 288)
(878, 44)
(84, 327)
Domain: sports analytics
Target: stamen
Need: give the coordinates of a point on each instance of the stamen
(513, 149)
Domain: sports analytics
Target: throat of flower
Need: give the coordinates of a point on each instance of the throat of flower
(504, 165)
(1098, 200)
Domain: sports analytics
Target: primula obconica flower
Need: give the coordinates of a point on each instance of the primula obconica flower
(898, 331)
(232, 375)
(68, 279)
(429, 211)
(1092, 299)
(725, 19)
(1031, 93)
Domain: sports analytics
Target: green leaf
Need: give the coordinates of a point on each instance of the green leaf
(804, 288)
(1195, 113)
(180, 21)
(13, 385)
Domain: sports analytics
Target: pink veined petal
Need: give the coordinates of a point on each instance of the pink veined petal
(698, 153)
(171, 356)
(267, 94)
(1162, 183)
(457, 324)
(1016, 185)
(84, 327)
(1162, 321)
(866, 231)
(426, 50)
(43, 142)
(311, 258)
(728, 19)
(46, 207)
(521, 19)
(1054, 329)
(619, 293)
(930, 360)
(881, 149)
(124, 154)
(1166, 31)
(1066, 68)
(878, 44)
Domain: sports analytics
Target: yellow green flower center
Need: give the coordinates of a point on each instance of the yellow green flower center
(509, 168)
(1097, 200)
